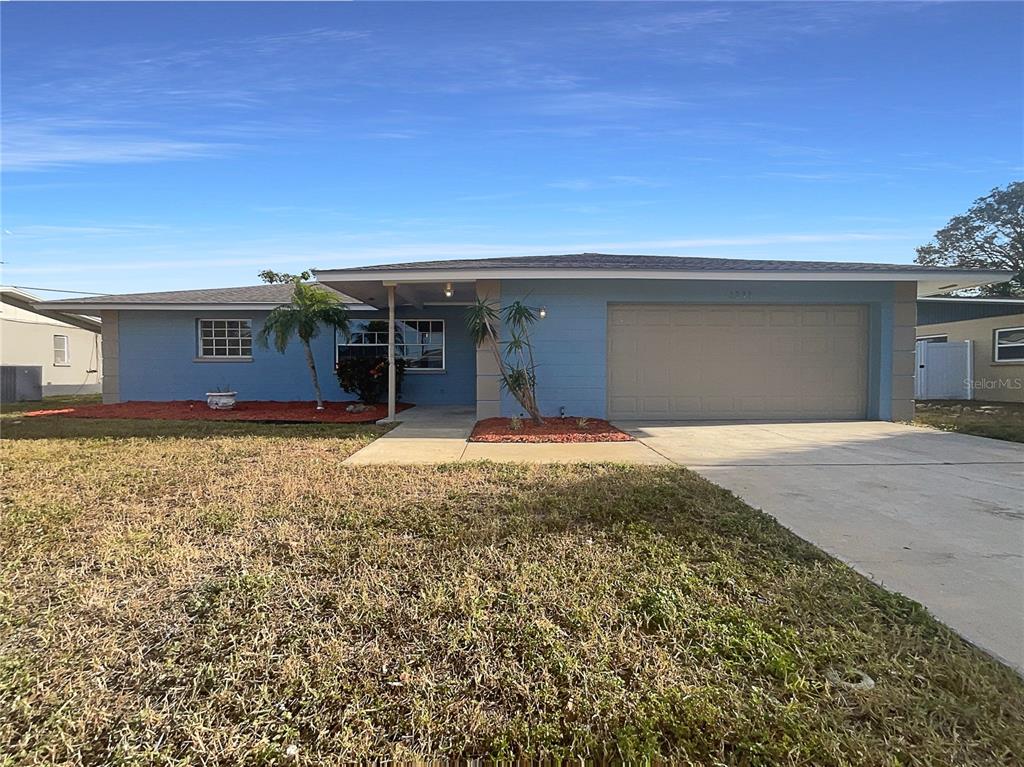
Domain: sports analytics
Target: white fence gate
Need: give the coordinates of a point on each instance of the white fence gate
(944, 370)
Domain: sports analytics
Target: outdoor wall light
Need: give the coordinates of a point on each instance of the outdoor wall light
(448, 292)
(543, 312)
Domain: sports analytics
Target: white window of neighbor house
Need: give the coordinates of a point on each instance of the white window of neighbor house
(419, 342)
(224, 339)
(1009, 345)
(61, 351)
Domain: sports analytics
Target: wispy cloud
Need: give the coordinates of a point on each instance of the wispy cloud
(597, 103)
(608, 182)
(29, 145)
(61, 231)
(727, 35)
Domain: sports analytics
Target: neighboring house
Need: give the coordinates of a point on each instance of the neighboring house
(995, 326)
(66, 347)
(624, 337)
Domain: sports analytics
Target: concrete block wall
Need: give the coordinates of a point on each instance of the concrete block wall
(110, 340)
(904, 364)
(488, 377)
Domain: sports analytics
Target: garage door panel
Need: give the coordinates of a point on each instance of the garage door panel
(816, 345)
(625, 406)
(720, 362)
(849, 318)
(687, 317)
(782, 318)
(752, 318)
(816, 318)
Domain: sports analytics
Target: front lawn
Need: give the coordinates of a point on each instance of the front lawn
(998, 420)
(200, 593)
(57, 401)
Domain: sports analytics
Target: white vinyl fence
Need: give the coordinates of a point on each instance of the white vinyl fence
(944, 370)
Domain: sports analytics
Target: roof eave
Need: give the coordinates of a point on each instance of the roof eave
(204, 307)
(929, 281)
(62, 314)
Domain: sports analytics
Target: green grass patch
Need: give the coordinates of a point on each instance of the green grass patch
(233, 593)
(997, 420)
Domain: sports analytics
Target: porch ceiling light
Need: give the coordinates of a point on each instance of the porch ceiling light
(448, 292)
(543, 312)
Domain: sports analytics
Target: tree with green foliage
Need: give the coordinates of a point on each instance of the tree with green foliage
(311, 308)
(515, 364)
(988, 236)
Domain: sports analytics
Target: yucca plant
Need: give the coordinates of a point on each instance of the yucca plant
(515, 362)
(311, 308)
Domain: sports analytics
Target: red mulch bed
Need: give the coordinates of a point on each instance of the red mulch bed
(565, 429)
(197, 410)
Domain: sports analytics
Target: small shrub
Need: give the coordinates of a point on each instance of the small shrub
(516, 424)
(583, 422)
(367, 377)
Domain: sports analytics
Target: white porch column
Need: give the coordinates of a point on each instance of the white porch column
(392, 395)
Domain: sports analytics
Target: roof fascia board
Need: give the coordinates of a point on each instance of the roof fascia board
(115, 306)
(458, 275)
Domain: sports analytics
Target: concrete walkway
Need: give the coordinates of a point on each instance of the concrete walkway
(432, 435)
(934, 515)
(424, 435)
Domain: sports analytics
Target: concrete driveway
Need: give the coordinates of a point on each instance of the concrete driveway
(934, 515)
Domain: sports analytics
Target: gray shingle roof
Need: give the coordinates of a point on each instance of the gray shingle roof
(252, 294)
(626, 262)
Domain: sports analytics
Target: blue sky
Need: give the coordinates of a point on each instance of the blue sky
(164, 146)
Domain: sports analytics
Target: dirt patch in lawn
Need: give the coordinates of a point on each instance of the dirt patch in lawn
(197, 410)
(568, 429)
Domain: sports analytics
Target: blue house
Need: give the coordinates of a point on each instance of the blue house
(623, 337)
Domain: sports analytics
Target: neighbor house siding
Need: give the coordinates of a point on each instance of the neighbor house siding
(995, 381)
(27, 339)
(571, 343)
(156, 360)
(935, 312)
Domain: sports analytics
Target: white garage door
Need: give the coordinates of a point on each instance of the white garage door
(737, 362)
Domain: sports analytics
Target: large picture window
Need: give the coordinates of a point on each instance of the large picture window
(1009, 345)
(225, 339)
(419, 342)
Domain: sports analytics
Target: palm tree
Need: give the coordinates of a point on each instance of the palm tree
(516, 366)
(311, 307)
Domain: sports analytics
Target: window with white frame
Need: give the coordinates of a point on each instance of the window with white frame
(61, 351)
(224, 339)
(1009, 345)
(419, 342)
(933, 339)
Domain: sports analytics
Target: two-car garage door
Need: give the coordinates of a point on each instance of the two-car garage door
(682, 361)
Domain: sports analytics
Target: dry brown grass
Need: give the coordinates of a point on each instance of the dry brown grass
(215, 599)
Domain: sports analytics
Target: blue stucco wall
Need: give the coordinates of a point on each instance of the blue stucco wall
(158, 349)
(571, 344)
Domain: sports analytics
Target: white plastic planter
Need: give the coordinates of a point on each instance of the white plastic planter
(220, 400)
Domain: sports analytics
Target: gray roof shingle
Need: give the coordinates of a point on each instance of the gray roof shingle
(628, 262)
(252, 294)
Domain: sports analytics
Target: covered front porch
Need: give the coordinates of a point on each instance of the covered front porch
(442, 366)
